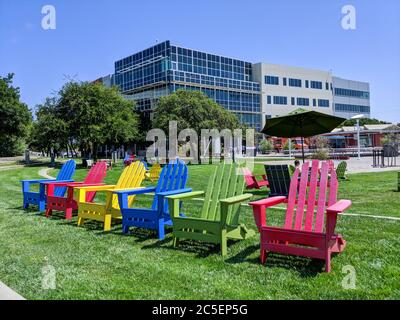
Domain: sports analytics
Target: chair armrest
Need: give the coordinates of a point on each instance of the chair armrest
(37, 180)
(175, 200)
(162, 195)
(96, 187)
(130, 191)
(339, 207)
(268, 202)
(187, 195)
(174, 192)
(61, 183)
(236, 199)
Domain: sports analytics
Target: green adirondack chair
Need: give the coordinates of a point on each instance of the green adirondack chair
(341, 170)
(219, 219)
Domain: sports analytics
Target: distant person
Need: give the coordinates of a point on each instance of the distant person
(297, 165)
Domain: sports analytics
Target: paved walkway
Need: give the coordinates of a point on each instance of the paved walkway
(353, 165)
(44, 173)
(7, 294)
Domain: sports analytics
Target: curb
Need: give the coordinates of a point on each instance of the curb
(8, 294)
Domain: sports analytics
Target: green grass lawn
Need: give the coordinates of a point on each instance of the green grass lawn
(91, 264)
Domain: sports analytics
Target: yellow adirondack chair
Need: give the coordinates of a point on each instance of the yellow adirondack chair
(131, 178)
(154, 172)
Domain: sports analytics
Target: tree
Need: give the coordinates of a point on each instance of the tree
(193, 109)
(353, 122)
(15, 119)
(49, 133)
(88, 115)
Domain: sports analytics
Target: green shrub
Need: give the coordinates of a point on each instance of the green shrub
(265, 146)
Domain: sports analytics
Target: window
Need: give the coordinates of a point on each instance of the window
(284, 81)
(293, 101)
(269, 99)
(351, 93)
(352, 108)
(268, 116)
(303, 101)
(307, 84)
(326, 85)
(323, 103)
(314, 102)
(294, 82)
(280, 100)
(316, 84)
(273, 80)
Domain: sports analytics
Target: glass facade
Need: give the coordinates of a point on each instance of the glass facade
(165, 68)
(351, 93)
(352, 108)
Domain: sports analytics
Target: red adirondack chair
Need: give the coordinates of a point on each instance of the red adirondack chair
(251, 180)
(305, 235)
(95, 176)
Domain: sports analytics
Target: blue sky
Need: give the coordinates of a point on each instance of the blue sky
(91, 34)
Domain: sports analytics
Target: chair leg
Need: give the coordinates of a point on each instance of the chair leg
(328, 261)
(42, 206)
(224, 244)
(161, 229)
(68, 213)
(49, 212)
(125, 228)
(80, 221)
(263, 255)
(176, 241)
(107, 222)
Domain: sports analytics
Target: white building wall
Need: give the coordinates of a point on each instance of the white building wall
(260, 70)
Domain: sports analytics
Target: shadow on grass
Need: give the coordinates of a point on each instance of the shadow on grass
(305, 267)
(201, 249)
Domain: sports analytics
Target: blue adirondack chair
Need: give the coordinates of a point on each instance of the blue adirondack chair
(145, 165)
(39, 198)
(172, 181)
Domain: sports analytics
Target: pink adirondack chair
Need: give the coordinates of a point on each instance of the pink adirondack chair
(303, 233)
(251, 180)
(95, 176)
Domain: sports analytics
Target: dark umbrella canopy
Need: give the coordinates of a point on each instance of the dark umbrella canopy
(301, 123)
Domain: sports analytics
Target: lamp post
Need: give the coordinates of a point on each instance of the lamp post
(357, 118)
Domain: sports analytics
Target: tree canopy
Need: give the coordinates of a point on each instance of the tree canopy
(15, 118)
(353, 122)
(88, 115)
(193, 109)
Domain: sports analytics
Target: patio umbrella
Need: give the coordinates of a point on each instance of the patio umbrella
(301, 123)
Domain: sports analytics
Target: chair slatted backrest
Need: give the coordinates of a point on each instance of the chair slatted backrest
(249, 177)
(155, 171)
(309, 195)
(173, 176)
(130, 178)
(66, 172)
(278, 177)
(225, 182)
(341, 170)
(96, 174)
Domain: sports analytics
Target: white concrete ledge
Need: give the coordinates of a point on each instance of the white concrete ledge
(8, 294)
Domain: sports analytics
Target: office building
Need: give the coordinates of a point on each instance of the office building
(253, 92)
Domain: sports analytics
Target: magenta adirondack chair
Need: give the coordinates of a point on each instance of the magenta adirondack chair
(303, 233)
(251, 180)
(95, 176)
